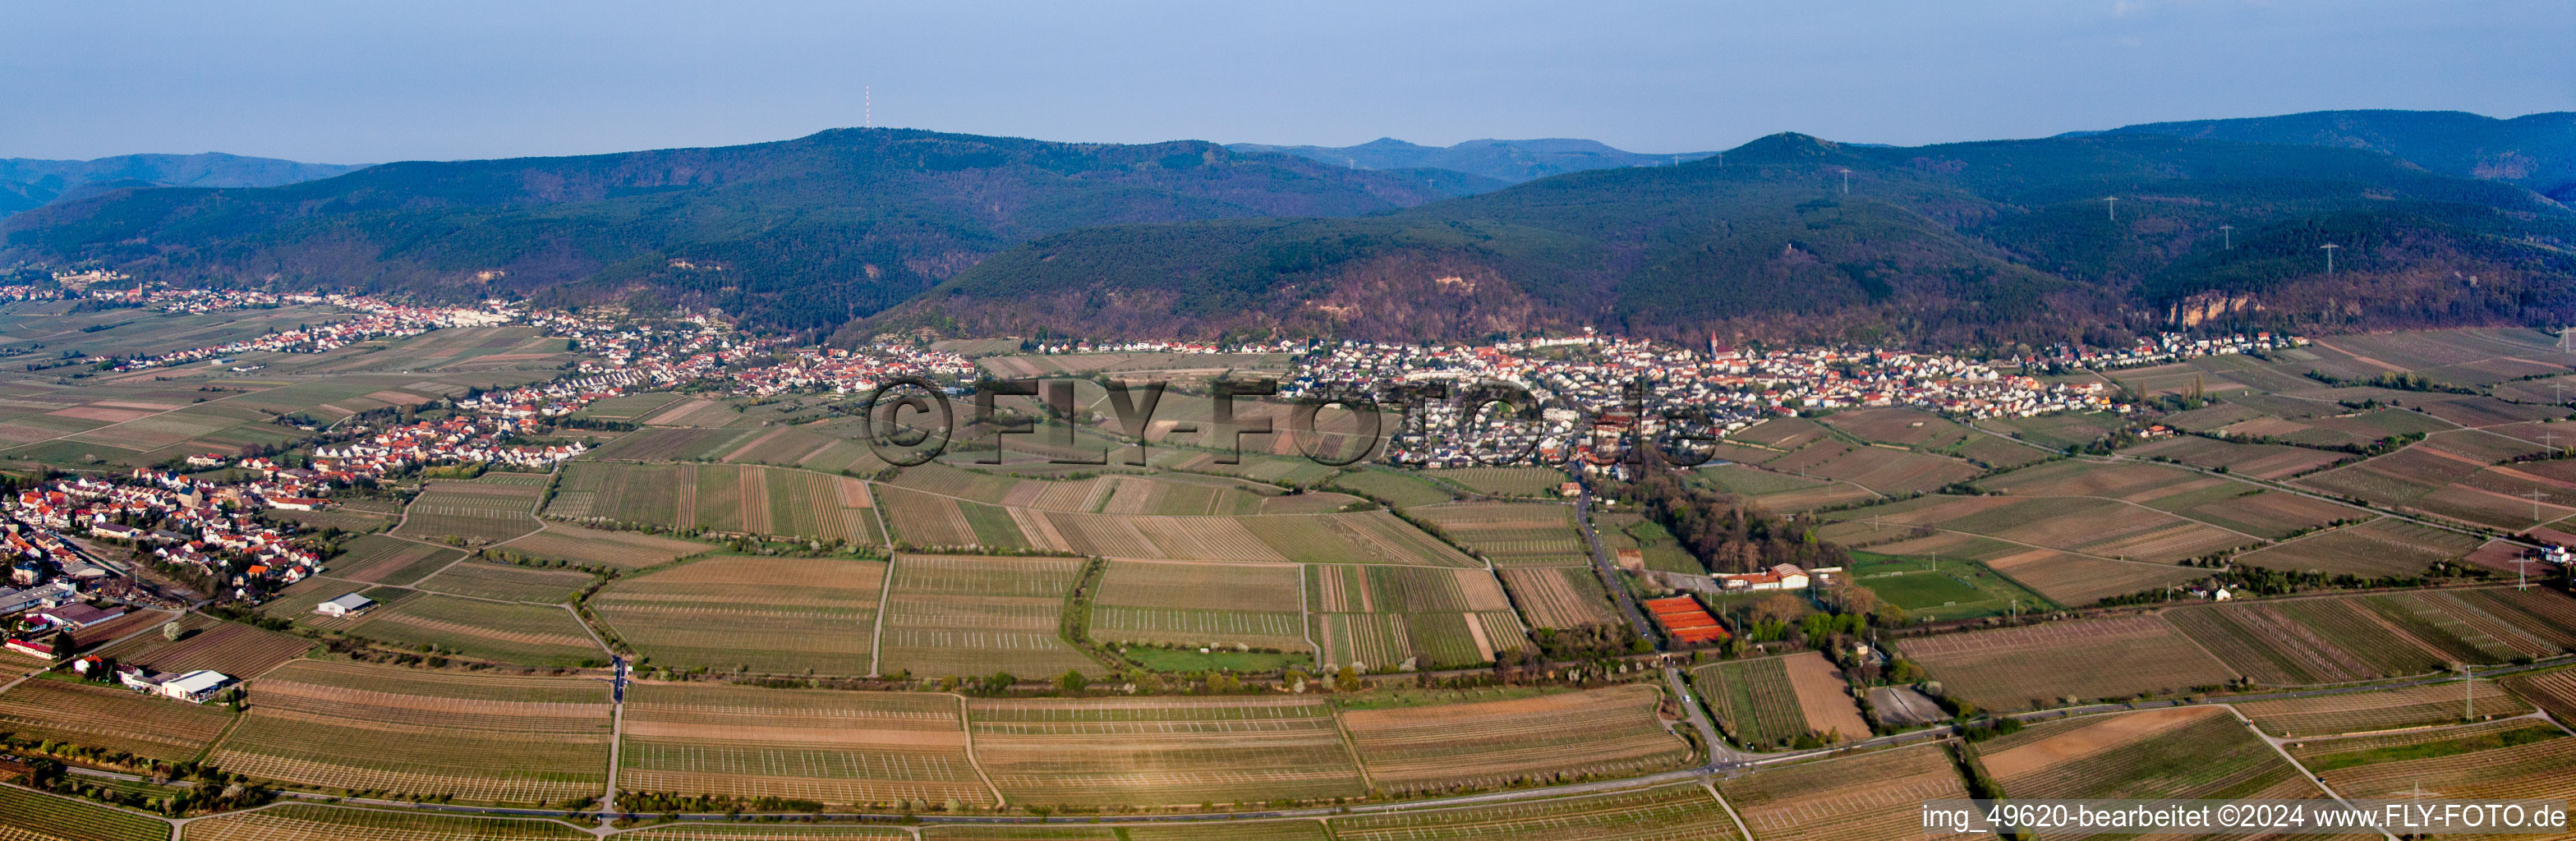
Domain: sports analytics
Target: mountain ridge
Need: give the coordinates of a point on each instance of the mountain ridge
(28, 183)
(1504, 161)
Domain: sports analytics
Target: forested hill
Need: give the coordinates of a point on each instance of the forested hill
(1504, 161)
(796, 234)
(2536, 151)
(27, 183)
(1963, 243)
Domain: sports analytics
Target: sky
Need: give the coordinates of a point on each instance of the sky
(343, 82)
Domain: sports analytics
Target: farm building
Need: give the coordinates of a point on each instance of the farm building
(1686, 621)
(347, 605)
(79, 615)
(1779, 577)
(194, 687)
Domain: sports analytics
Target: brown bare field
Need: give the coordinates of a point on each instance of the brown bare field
(1871, 795)
(111, 717)
(2363, 712)
(1611, 731)
(764, 614)
(2034, 665)
(480, 738)
(1162, 751)
(1670, 813)
(1559, 597)
(1829, 708)
(844, 748)
(588, 546)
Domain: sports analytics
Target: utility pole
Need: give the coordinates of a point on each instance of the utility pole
(2329, 248)
(2535, 506)
(2468, 695)
(2227, 234)
(2522, 572)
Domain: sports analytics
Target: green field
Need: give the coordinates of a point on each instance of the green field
(46, 817)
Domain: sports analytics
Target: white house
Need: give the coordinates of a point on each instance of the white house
(345, 605)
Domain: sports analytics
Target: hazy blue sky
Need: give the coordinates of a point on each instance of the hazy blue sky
(364, 81)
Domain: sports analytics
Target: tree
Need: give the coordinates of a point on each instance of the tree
(62, 644)
(171, 631)
(1347, 681)
(1072, 682)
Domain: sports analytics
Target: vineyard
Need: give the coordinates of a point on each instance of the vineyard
(1191, 605)
(972, 615)
(1368, 537)
(2193, 752)
(766, 615)
(505, 582)
(307, 822)
(2037, 665)
(1769, 702)
(2361, 712)
(228, 647)
(595, 547)
(478, 512)
(2552, 691)
(1161, 751)
(479, 738)
(44, 817)
(1376, 616)
(527, 634)
(384, 559)
(2378, 547)
(1660, 814)
(1559, 597)
(1870, 795)
(1612, 731)
(111, 717)
(844, 748)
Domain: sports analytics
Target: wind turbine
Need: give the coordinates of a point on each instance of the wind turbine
(2228, 236)
(2329, 248)
(2110, 206)
(1846, 181)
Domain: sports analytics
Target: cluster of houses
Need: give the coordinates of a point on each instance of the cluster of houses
(454, 440)
(376, 320)
(2162, 348)
(843, 371)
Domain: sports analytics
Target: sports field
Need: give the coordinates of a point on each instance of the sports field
(763, 615)
(1612, 731)
(478, 738)
(972, 615)
(846, 748)
(1162, 751)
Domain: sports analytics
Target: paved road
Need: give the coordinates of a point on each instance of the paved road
(1609, 571)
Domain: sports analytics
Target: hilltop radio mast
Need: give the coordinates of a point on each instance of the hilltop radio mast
(867, 106)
